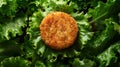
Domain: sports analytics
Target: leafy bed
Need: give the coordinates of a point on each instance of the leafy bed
(97, 44)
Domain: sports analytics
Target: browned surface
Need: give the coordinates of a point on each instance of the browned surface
(58, 30)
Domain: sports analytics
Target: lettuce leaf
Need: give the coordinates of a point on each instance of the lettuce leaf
(117, 25)
(105, 10)
(109, 55)
(14, 62)
(10, 48)
(85, 29)
(21, 44)
(2, 3)
(39, 64)
(11, 28)
(8, 8)
(83, 63)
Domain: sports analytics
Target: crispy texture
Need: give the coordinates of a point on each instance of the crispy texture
(58, 30)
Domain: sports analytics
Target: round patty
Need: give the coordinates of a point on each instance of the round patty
(58, 30)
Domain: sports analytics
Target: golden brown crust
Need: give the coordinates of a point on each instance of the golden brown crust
(58, 30)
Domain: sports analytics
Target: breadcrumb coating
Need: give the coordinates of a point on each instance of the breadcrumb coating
(58, 30)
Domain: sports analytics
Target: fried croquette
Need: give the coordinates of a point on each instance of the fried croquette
(58, 30)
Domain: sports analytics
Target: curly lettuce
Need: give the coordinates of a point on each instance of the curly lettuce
(14, 62)
(97, 44)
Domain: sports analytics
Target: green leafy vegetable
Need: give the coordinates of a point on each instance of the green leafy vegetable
(97, 43)
(105, 10)
(15, 62)
(84, 63)
(39, 64)
(11, 29)
(109, 55)
(6, 48)
(85, 29)
(8, 7)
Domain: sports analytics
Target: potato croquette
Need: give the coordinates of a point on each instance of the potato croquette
(58, 30)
